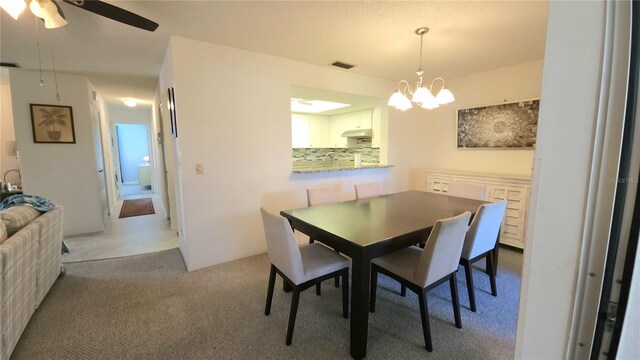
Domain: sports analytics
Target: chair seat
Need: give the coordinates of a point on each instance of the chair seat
(402, 263)
(318, 260)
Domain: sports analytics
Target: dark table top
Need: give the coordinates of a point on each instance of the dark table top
(369, 221)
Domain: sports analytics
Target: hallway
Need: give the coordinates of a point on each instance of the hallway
(124, 237)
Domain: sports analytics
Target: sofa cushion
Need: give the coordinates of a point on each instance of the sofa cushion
(3, 232)
(17, 217)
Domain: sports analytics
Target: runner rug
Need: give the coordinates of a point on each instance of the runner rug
(137, 207)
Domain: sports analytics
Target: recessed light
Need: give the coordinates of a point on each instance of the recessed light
(314, 106)
(130, 102)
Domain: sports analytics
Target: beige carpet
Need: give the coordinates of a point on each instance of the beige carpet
(148, 307)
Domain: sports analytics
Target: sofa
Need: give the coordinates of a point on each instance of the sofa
(30, 262)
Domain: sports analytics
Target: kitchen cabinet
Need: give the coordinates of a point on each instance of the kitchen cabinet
(376, 125)
(300, 136)
(309, 131)
(514, 189)
(349, 121)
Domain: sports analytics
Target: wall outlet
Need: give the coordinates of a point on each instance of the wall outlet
(199, 169)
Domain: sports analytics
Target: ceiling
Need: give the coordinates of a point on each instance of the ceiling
(378, 37)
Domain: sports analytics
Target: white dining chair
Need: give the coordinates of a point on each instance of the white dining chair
(421, 270)
(480, 243)
(322, 195)
(368, 190)
(466, 190)
(301, 267)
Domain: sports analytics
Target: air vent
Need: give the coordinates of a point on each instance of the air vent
(342, 65)
(10, 65)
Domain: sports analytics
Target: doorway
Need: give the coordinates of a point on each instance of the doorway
(133, 158)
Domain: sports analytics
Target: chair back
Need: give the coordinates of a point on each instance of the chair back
(282, 247)
(322, 195)
(441, 253)
(466, 190)
(483, 232)
(368, 190)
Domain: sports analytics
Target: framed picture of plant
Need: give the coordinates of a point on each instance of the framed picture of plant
(52, 124)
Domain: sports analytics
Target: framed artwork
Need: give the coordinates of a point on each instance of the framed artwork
(172, 111)
(505, 126)
(52, 124)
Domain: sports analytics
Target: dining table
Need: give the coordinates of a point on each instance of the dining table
(364, 229)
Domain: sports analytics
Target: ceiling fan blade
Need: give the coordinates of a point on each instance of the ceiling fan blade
(114, 13)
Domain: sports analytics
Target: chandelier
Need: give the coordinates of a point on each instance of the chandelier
(422, 95)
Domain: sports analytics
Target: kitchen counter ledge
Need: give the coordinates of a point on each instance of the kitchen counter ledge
(310, 170)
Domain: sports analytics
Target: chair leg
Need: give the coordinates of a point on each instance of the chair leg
(492, 273)
(318, 288)
(470, 289)
(292, 314)
(374, 287)
(311, 240)
(272, 284)
(345, 294)
(424, 316)
(403, 290)
(337, 282)
(454, 299)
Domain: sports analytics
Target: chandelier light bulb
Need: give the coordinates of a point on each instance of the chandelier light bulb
(422, 95)
(395, 99)
(13, 7)
(445, 96)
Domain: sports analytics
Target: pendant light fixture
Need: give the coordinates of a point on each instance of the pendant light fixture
(422, 95)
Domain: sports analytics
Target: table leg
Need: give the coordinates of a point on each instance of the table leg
(360, 272)
(496, 249)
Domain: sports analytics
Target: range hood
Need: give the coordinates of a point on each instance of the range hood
(357, 134)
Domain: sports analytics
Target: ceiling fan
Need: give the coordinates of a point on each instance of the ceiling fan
(51, 12)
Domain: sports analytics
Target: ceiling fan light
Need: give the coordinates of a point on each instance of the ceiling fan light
(395, 99)
(13, 7)
(421, 95)
(445, 96)
(47, 11)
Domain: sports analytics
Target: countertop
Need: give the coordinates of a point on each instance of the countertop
(319, 169)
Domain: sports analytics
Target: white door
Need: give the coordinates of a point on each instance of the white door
(101, 176)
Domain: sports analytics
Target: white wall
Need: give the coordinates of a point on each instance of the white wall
(504, 85)
(63, 173)
(245, 145)
(629, 348)
(562, 164)
(7, 132)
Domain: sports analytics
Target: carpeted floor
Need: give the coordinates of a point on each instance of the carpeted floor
(149, 307)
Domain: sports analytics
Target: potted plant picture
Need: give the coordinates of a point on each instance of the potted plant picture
(52, 124)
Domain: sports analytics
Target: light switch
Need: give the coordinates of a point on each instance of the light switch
(199, 169)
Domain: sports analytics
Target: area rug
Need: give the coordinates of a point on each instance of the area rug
(137, 207)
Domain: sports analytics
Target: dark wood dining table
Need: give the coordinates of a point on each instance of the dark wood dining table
(368, 228)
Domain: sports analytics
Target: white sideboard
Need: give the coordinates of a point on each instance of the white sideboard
(515, 189)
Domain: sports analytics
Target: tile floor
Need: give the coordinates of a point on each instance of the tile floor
(125, 237)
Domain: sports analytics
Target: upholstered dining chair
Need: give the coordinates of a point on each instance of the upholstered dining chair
(466, 190)
(479, 244)
(368, 190)
(301, 267)
(421, 270)
(320, 196)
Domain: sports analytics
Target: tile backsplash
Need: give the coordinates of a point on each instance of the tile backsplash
(301, 156)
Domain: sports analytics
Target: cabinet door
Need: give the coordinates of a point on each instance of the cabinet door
(375, 128)
(364, 119)
(338, 124)
(319, 130)
(300, 131)
(512, 231)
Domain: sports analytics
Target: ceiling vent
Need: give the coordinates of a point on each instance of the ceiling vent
(10, 65)
(342, 65)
